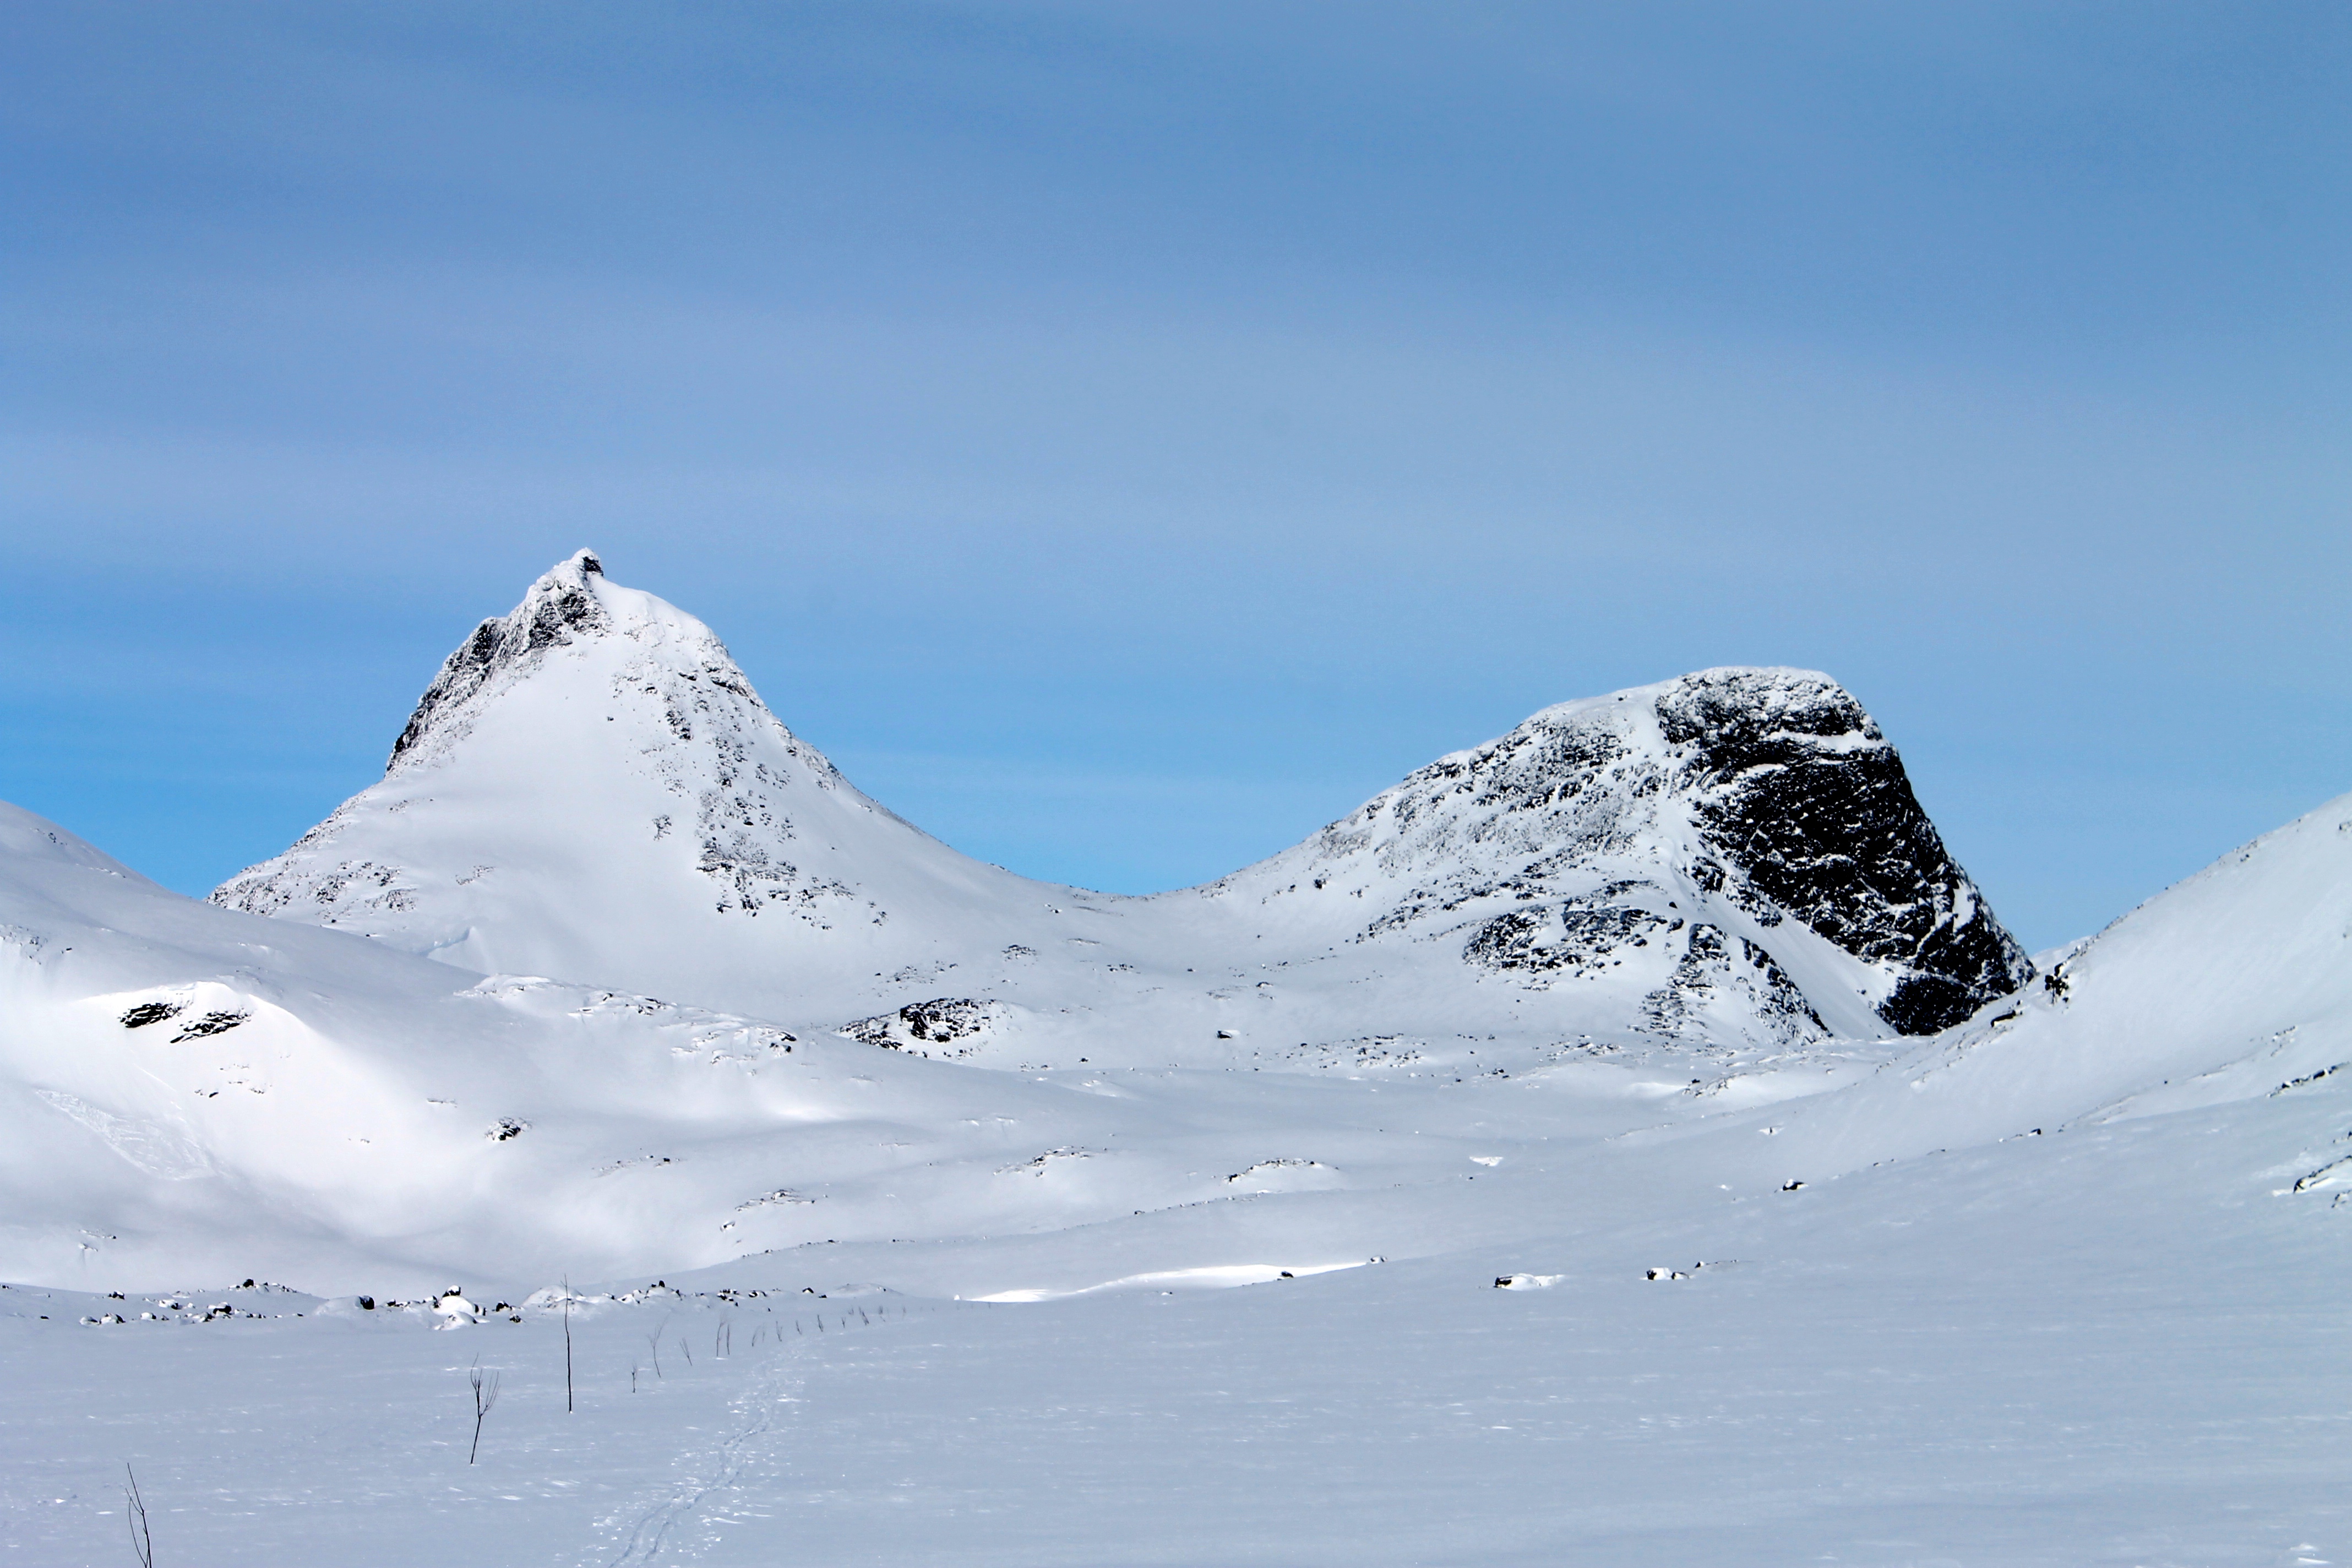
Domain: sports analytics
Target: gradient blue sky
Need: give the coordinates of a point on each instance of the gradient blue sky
(1125, 436)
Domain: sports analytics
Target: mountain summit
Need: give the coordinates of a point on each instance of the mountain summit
(561, 607)
(588, 782)
(591, 790)
(1768, 791)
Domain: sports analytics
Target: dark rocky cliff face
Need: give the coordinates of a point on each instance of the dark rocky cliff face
(1794, 787)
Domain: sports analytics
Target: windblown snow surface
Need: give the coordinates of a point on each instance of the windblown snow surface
(1632, 1140)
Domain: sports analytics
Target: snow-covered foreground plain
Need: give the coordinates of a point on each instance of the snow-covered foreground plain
(1632, 1140)
(2116, 1345)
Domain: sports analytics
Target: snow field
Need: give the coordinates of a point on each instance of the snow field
(2108, 1346)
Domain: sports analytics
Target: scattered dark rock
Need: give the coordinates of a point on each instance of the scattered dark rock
(941, 1021)
(1574, 936)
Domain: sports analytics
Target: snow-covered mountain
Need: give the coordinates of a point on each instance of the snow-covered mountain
(1554, 1015)
(592, 787)
(591, 790)
(1758, 815)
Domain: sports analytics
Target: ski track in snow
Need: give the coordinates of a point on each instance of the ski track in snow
(639, 1534)
(684, 1518)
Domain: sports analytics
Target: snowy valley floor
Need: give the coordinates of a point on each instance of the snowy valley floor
(2120, 1343)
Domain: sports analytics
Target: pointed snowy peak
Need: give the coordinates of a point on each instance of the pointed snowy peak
(561, 607)
(591, 789)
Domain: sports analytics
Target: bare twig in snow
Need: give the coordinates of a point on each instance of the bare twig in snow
(567, 1345)
(486, 1395)
(135, 1510)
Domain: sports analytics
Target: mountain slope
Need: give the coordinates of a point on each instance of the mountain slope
(188, 1093)
(192, 1092)
(591, 790)
(2235, 985)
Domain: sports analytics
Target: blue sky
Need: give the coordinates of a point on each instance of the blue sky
(1125, 436)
